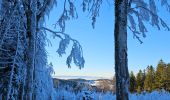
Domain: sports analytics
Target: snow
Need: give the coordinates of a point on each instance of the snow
(155, 95)
(30, 60)
(66, 95)
(95, 83)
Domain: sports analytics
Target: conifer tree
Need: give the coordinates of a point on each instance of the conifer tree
(168, 77)
(160, 76)
(132, 85)
(139, 81)
(149, 80)
(143, 78)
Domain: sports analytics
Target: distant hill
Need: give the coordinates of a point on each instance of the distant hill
(98, 85)
(81, 77)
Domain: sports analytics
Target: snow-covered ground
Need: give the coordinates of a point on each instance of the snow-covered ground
(155, 95)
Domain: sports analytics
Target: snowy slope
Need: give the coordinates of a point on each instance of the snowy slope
(77, 89)
(62, 94)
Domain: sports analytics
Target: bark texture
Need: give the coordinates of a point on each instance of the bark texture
(31, 32)
(121, 61)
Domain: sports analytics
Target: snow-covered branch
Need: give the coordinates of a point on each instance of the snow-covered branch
(145, 11)
(56, 33)
(69, 11)
(42, 9)
(45, 8)
(12, 49)
(93, 7)
(135, 34)
(153, 15)
(76, 53)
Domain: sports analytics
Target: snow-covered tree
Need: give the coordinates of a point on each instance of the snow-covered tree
(22, 35)
(12, 50)
(25, 74)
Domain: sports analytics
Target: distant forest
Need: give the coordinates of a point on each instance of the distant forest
(151, 78)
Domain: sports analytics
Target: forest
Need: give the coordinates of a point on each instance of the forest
(26, 74)
(151, 78)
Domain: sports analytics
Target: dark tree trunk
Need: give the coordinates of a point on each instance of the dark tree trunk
(121, 63)
(31, 32)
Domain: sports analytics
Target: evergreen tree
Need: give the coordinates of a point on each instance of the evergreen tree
(139, 81)
(168, 77)
(160, 77)
(132, 85)
(143, 78)
(149, 80)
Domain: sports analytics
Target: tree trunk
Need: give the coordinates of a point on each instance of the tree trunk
(121, 63)
(31, 32)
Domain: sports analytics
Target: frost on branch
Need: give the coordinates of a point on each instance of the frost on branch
(44, 7)
(43, 83)
(12, 50)
(93, 7)
(154, 18)
(76, 54)
(68, 13)
(145, 11)
(63, 45)
(166, 4)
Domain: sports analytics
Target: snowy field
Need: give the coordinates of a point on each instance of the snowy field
(65, 95)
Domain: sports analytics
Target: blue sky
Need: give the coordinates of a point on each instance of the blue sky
(98, 45)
